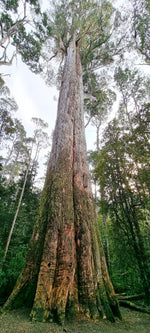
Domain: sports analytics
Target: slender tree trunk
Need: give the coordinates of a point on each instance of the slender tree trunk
(15, 217)
(105, 239)
(1, 128)
(15, 198)
(104, 221)
(97, 137)
(136, 242)
(9, 155)
(66, 266)
(12, 173)
(127, 112)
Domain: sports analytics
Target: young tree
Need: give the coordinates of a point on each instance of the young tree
(98, 100)
(65, 268)
(38, 140)
(22, 232)
(123, 173)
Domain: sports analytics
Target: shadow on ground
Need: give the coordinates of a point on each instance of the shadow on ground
(18, 321)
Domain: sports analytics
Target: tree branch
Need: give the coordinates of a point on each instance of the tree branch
(6, 35)
(90, 118)
(61, 48)
(84, 34)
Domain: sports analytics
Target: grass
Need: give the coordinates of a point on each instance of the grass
(18, 321)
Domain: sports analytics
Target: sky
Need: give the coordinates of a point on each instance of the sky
(35, 99)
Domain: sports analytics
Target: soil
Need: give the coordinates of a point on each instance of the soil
(18, 321)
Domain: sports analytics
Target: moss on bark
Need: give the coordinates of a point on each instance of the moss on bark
(65, 266)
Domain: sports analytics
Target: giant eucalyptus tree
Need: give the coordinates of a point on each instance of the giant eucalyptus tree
(65, 270)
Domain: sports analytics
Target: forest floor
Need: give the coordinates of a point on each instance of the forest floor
(18, 321)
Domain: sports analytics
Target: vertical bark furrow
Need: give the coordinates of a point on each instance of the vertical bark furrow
(73, 275)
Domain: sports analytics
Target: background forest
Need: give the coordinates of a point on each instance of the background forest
(117, 105)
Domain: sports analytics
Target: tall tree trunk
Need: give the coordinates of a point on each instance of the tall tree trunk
(66, 265)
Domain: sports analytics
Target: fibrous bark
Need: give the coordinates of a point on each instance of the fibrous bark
(65, 267)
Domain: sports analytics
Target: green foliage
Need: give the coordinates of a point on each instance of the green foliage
(7, 107)
(16, 31)
(127, 195)
(98, 98)
(29, 48)
(14, 164)
(11, 4)
(141, 27)
(7, 21)
(90, 24)
(121, 168)
(22, 232)
(123, 268)
(122, 171)
(131, 84)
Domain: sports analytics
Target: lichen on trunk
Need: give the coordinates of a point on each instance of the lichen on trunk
(70, 274)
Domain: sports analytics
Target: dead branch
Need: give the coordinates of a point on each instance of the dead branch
(130, 297)
(55, 55)
(61, 48)
(133, 306)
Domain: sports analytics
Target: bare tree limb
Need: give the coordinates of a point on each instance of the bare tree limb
(61, 48)
(55, 55)
(90, 118)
